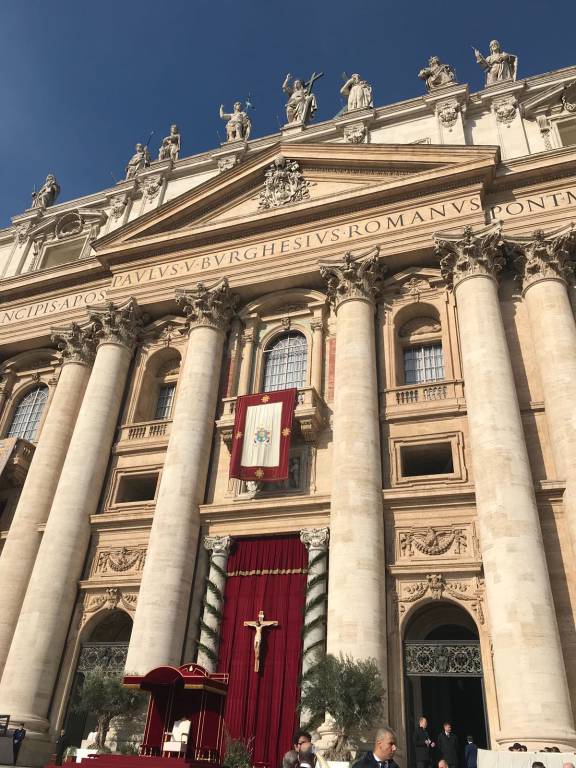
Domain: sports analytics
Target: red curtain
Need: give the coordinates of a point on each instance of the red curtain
(262, 705)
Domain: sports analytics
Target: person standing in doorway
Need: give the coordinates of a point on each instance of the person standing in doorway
(470, 753)
(448, 745)
(17, 738)
(422, 744)
(61, 746)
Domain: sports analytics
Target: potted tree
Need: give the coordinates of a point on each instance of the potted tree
(103, 695)
(350, 692)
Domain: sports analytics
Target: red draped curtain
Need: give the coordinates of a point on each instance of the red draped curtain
(264, 574)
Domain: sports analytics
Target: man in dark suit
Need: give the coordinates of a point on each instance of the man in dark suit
(422, 744)
(448, 746)
(17, 738)
(383, 752)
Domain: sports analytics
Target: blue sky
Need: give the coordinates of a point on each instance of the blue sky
(81, 81)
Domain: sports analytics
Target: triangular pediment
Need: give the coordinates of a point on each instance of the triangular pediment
(333, 176)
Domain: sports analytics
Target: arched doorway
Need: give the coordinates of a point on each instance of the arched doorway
(443, 676)
(106, 646)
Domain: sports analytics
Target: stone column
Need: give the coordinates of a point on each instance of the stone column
(316, 542)
(525, 639)
(317, 354)
(357, 573)
(161, 613)
(546, 263)
(33, 661)
(21, 547)
(209, 643)
(247, 358)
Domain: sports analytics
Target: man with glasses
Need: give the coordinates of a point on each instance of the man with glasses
(307, 758)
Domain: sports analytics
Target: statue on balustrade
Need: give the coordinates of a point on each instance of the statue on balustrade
(239, 124)
(139, 160)
(358, 92)
(170, 145)
(498, 65)
(436, 74)
(47, 193)
(301, 104)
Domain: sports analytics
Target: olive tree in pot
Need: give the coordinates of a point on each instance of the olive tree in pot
(350, 691)
(103, 695)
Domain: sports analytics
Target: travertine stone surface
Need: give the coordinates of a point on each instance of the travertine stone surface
(160, 621)
(524, 629)
(356, 521)
(28, 680)
(20, 550)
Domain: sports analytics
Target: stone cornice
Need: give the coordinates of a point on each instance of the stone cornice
(211, 307)
(470, 254)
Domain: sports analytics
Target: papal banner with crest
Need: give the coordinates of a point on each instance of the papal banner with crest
(262, 436)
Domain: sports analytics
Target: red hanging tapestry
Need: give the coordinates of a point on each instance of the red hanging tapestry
(262, 436)
(265, 574)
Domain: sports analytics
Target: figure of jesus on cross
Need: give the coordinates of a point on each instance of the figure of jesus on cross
(258, 627)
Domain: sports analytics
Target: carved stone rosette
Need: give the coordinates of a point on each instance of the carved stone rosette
(213, 307)
(356, 277)
(505, 110)
(117, 323)
(76, 344)
(469, 254)
(544, 256)
(447, 113)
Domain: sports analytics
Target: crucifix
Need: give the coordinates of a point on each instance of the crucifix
(258, 627)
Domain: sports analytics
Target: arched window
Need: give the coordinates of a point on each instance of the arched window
(285, 362)
(421, 343)
(28, 413)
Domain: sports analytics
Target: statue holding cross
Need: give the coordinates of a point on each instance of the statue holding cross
(301, 103)
(258, 627)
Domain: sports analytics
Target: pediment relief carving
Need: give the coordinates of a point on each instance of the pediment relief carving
(419, 326)
(69, 224)
(334, 175)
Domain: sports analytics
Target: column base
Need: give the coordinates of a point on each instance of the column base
(534, 741)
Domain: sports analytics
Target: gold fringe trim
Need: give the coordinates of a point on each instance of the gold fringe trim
(268, 572)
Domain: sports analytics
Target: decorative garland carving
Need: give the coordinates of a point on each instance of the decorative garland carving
(437, 586)
(120, 560)
(108, 599)
(433, 541)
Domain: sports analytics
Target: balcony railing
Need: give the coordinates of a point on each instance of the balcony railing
(436, 391)
(144, 431)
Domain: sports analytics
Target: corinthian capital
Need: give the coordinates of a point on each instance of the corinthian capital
(315, 538)
(218, 545)
(77, 344)
(355, 277)
(213, 307)
(116, 323)
(544, 256)
(469, 254)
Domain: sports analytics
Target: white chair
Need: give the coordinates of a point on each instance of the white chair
(176, 740)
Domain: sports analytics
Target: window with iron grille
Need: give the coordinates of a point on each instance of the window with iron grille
(285, 362)
(28, 413)
(423, 363)
(164, 402)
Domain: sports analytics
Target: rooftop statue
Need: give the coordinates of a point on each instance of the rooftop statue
(140, 159)
(170, 145)
(437, 74)
(301, 104)
(498, 65)
(239, 124)
(47, 193)
(358, 93)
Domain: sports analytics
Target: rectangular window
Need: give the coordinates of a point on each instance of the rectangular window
(133, 488)
(434, 459)
(567, 131)
(423, 363)
(164, 402)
